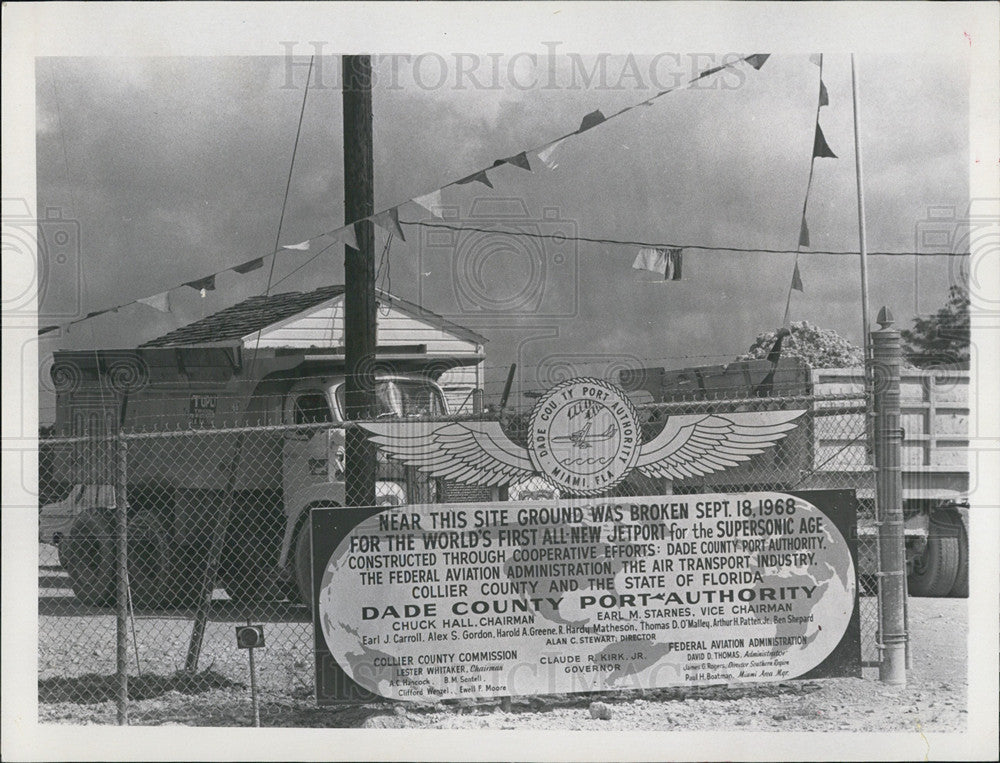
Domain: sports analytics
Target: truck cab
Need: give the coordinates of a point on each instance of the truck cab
(314, 455)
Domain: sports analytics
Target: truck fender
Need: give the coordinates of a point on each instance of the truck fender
(322, 494)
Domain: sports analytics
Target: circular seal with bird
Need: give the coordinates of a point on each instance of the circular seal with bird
(584, 436)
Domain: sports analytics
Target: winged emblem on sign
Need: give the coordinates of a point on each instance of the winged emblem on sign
(584, 436)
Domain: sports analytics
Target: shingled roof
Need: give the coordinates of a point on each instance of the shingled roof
(258, 313)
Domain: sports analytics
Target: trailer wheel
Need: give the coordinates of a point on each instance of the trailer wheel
(960, 589)
(88, 556)
(935, 571)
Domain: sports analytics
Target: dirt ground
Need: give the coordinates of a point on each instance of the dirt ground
(77, 685)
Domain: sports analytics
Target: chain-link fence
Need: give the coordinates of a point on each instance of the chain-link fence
(217, 537)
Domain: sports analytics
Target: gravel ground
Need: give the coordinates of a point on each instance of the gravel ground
(77, 684)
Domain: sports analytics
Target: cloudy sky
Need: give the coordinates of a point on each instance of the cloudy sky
(175, 167)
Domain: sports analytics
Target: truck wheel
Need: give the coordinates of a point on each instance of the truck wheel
(960, 590)
(935, 571)
(149, 570)
(88, 556)
(303, 565)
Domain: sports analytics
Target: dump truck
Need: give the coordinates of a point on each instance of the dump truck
(218, 442)
(831, 450)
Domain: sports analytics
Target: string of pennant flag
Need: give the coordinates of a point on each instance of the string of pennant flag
(388, 219)
(821, 150)
(663, 259)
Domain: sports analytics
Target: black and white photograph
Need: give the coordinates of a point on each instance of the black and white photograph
(501, 381)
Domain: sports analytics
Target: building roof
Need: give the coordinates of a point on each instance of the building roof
(257, 313)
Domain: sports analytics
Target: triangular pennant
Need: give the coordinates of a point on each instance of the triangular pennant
(804, 233)
(46, 330)
(757, 60)
(797, 279)
(817, 58)
(479, 177)
(159, 302)
(302, 247)
(247, 267)
(348, 236)
(518, 160)
(547, 154)
(592, 119)
(203, 284)
(653, 259)
(431, 202)
(824, 97)
(821, 150)
(389, 221)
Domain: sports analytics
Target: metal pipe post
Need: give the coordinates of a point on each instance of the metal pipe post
(887, 356)
(862, 232)
(121, 576)
(254, 699)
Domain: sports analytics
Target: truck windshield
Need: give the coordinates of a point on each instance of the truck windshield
(397, 398)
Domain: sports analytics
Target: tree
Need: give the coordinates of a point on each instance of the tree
(941, 339)
(819, 348)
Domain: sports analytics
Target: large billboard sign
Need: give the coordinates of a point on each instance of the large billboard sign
(421, 603)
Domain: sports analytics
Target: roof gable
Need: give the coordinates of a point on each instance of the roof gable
(258, 313)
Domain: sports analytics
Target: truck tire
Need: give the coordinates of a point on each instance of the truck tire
(960, 590)
(302, 561)
(149, 562)
(88, 556)
(935, 571)
(303, 565)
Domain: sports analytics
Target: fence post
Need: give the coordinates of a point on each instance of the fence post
(121, 577)
(887, 357)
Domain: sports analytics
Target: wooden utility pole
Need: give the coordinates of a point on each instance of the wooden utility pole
(862, 232)
(359, 276)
